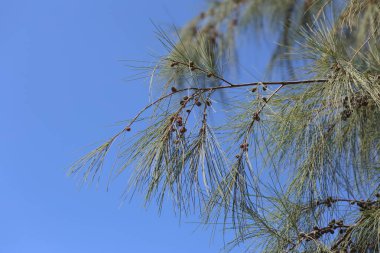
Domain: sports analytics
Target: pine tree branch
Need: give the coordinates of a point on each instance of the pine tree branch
(346, 235)
(344, 230)
(214, 88)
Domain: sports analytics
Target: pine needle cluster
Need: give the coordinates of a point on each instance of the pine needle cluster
(290, 165)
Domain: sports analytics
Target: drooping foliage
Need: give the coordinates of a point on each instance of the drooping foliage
(290, 165)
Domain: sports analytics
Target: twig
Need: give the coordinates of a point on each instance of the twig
(214, 88)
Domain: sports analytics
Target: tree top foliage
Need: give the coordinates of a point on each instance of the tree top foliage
(289, 165)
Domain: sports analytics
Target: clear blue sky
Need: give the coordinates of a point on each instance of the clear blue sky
(62, 89)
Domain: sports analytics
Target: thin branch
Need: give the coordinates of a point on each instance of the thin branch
(282, 83)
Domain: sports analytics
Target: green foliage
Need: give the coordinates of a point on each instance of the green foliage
(290, 166)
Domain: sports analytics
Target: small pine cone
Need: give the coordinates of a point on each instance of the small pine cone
(179, 119)
(256, 116)
(244, 146)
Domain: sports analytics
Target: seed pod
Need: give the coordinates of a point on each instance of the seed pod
(265, 88)
(316, 228)
(265, 99)
(188, 111)
(174, 89)
(128, 129)
(313, 234)
(345, 103)
(179, 121)
(208, 102)
(182, 130)
(191, 64)
(256, 116)
(198, 103)
(254, 89)
(244, 146)
(185, 98)
(209, 75)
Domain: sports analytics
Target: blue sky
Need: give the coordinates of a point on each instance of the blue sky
(62, 89)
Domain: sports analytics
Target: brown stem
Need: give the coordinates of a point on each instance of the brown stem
(241, 85)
